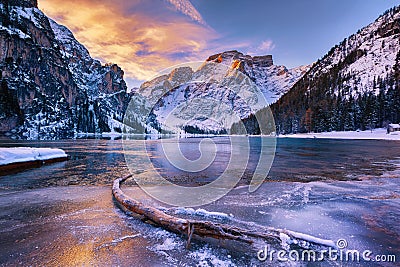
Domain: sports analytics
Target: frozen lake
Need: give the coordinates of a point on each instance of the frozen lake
(63, 214)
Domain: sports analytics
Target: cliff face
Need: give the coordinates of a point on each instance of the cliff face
(51, 87)
(257, 61)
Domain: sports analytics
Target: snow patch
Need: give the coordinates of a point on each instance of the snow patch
(26, 154)
(306, 237)
(207, 258)
(201, 213)
(376, 134)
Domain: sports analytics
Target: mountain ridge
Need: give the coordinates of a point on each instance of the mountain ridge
(354, 86)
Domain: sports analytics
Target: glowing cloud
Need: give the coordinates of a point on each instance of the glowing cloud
(140, 37)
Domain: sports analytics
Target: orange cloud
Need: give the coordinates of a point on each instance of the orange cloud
(141, 40)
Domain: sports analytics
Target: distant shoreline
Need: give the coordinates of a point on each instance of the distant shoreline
(376, 134)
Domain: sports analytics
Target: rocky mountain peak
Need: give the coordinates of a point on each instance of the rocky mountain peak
(234, 58)
(263, 61)
(188, 99)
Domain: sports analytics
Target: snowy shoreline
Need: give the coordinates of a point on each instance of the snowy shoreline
(28, 157)
(376, 134)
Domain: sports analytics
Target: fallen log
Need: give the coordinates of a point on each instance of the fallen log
(207, 229)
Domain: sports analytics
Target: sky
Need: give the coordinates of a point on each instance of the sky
(147, 36)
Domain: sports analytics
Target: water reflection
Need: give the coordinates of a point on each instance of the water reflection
(190, 150)
(98, 162)
(44, 220)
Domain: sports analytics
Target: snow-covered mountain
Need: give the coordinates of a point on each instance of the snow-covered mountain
(354, 86)
(224, 89)
(50, 86)
(364, 57)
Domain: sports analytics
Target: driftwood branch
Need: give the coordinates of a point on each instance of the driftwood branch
(204, 229)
